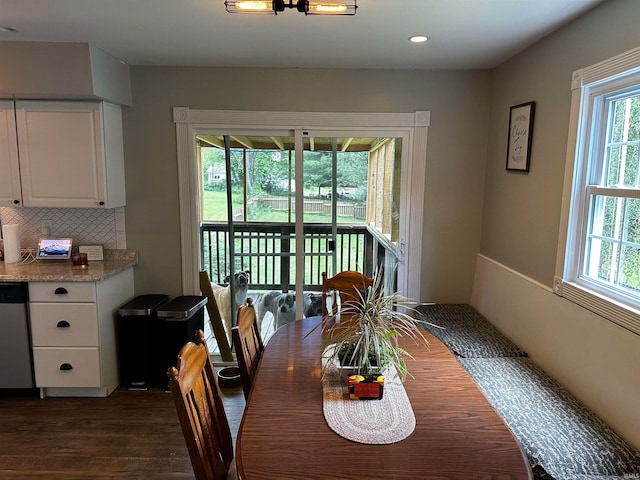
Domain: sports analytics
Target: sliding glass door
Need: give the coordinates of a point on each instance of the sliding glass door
(339, 191)
(349, 186)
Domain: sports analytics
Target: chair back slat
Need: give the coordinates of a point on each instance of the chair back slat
(201, 412)
(248, 344)
(342, 289)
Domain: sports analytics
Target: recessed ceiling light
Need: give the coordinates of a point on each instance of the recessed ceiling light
(8, 28)
(418, 38)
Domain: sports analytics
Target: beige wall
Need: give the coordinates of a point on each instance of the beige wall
(458, 102)
(593, 357)
(522, 212)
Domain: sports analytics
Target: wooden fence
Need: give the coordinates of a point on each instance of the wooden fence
(322, 207)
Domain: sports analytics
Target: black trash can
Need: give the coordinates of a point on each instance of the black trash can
(178, 321)
(136, 332)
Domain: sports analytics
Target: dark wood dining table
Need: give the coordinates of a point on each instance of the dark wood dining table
(284, 435)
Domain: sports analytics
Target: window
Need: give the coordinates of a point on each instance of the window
(601, 268)
(612, 243)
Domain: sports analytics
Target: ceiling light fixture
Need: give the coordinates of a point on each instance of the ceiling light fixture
(308, 7)
(418, 38)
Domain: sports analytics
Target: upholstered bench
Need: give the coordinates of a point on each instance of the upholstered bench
(466, 332)
(562, 438)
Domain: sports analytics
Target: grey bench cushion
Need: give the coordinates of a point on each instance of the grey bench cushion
(466, 332)
(600, 477)
(557, 432)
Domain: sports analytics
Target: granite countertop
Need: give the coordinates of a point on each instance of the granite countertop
(114, 262)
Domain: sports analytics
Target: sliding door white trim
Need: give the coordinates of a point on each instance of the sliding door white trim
(416, 125)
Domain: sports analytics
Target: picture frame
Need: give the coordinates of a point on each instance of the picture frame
(520, 136)
(94, 252)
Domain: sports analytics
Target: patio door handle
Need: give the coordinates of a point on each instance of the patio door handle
(331, 245)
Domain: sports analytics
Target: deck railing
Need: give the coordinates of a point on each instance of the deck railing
(268, 251)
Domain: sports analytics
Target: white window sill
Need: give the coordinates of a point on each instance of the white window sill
(617, 312)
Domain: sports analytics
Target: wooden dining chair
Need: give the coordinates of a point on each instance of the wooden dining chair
(344, 286)
(248, 344)
(202, 417)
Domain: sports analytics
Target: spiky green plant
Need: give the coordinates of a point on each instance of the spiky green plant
(366, 336)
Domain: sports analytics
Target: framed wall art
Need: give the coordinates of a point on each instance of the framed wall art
(94, 252)
(520, 135)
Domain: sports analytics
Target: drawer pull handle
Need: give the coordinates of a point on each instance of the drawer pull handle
(61, 291)
(63, 324)
(66, 366)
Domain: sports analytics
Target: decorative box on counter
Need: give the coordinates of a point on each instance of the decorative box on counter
(365, 387)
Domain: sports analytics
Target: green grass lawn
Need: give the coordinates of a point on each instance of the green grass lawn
(215, 205)
(215, 209)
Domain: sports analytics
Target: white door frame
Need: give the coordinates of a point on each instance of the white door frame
(415, 125)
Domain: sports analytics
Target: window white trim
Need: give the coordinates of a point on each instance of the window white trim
(585, 83)
(189, 120)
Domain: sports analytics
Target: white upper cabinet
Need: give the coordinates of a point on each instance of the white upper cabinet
(70, 155)
(10, 191)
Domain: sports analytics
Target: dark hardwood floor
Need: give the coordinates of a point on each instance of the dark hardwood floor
(130, 434)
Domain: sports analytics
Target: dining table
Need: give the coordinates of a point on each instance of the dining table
(284, 434)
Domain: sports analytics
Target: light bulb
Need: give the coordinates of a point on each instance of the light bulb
(253, 5)
(335, 8)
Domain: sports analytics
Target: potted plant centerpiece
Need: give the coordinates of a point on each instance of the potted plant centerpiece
(364, 340)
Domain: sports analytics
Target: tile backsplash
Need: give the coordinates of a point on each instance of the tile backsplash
(85, 225)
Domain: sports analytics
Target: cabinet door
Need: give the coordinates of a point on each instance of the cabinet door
(10, 192)
(61, 154)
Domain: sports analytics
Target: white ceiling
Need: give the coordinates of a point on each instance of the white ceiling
(462, 34)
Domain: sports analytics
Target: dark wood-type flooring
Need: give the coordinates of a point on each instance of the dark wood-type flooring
(130, 434)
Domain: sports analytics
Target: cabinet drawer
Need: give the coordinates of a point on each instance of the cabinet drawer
(62, 292)
(66, 367)
(64, 324)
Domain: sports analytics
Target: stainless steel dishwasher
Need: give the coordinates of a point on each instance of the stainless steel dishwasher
(16, 366)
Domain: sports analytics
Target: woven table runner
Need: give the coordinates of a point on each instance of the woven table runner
(377, 422)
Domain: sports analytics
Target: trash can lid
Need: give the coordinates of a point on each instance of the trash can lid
(182, 307)
(142, 305)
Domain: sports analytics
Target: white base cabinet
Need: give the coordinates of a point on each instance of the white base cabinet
(73, 334)
(70, 154)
